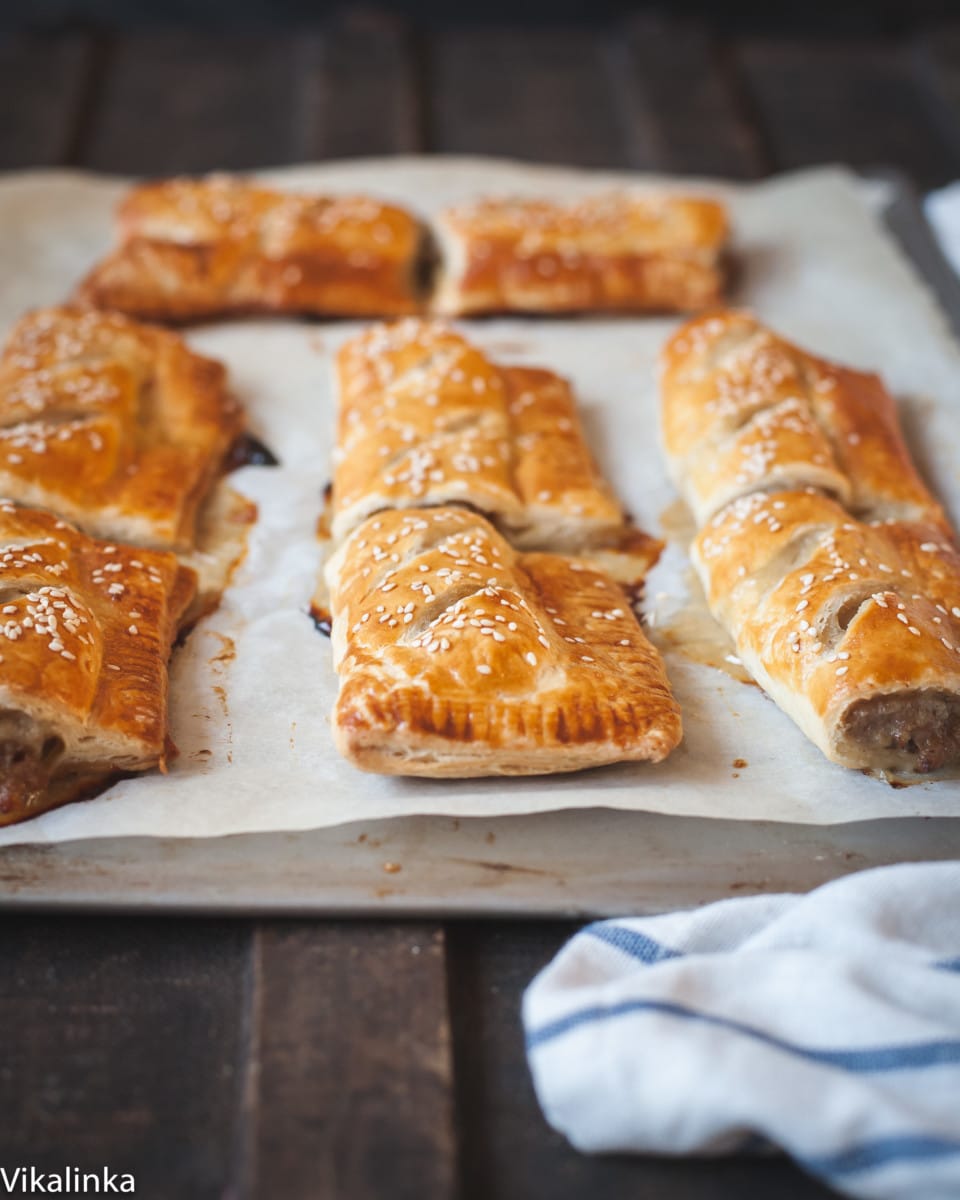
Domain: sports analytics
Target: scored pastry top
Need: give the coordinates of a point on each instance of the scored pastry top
(748, 410)
(837, 609)
(820, 548)
(115, 425)
(426, 418)
(196, 247)
(85, 632)
(453, 648)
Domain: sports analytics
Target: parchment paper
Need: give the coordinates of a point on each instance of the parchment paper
(253, 687)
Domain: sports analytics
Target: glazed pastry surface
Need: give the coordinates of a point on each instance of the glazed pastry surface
(820, 548)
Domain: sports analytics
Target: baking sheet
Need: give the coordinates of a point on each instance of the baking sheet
(253, 686)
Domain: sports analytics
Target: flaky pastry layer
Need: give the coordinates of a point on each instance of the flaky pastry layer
(459, 656)
(86, 629)
(206, 247)
(426, 418)
(614, 252)
(116, 426)
(820, 549)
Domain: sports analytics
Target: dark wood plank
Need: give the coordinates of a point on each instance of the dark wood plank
(508, 1150)
(937, 65)
(540, 94)
(855, 102)
(682, 101)
(119, 1044)
(197, 101)
(353, 1069)
(43, 82)
(360, 89)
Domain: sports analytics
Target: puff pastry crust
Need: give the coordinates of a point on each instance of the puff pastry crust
(459, 656)
(821, 550)
(115, 425)
(121, 429)
(614, 252)
(193, 248)
(425, 418)
(86, 629)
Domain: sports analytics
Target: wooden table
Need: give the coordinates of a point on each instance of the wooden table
(315, 1059)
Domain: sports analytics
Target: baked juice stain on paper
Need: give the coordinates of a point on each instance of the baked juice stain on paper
(691, 630)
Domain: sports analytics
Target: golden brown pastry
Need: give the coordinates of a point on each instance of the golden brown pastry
(205, 247)
(821, 550)
(614, 252)
(86, 629)
(425, 418)
(121, 429)
(459, 656)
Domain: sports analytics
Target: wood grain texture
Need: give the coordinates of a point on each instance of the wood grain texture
(507, 1150)
(182, 102)
(936, 62)
(121, 1044)
(542, 94)
(855, 102)
(682, 100)
(360, 89)
(353, 1070)
(43, 85)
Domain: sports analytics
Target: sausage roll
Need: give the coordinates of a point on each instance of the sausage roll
(122, 430)
(194, 248)
(459, 656)
(820, 549)
(614, 253)
(85, 633)
(425, 418)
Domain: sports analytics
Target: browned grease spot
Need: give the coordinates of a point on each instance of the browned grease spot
(321, 618)
(740, 763)
(228, 649)
(361, 839)
(678, 524)
(293, 734)
(392, 868)
(202, 754)
(221, 695)
(490, 838)
(697, 636)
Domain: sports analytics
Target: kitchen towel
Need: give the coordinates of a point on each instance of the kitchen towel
(826, 1024)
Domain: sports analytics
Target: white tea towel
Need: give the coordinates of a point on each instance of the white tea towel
(825, 1024)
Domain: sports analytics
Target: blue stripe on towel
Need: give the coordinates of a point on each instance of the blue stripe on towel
(948, 964)
(637, 945)
(870, 1155)
(869, 1059)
